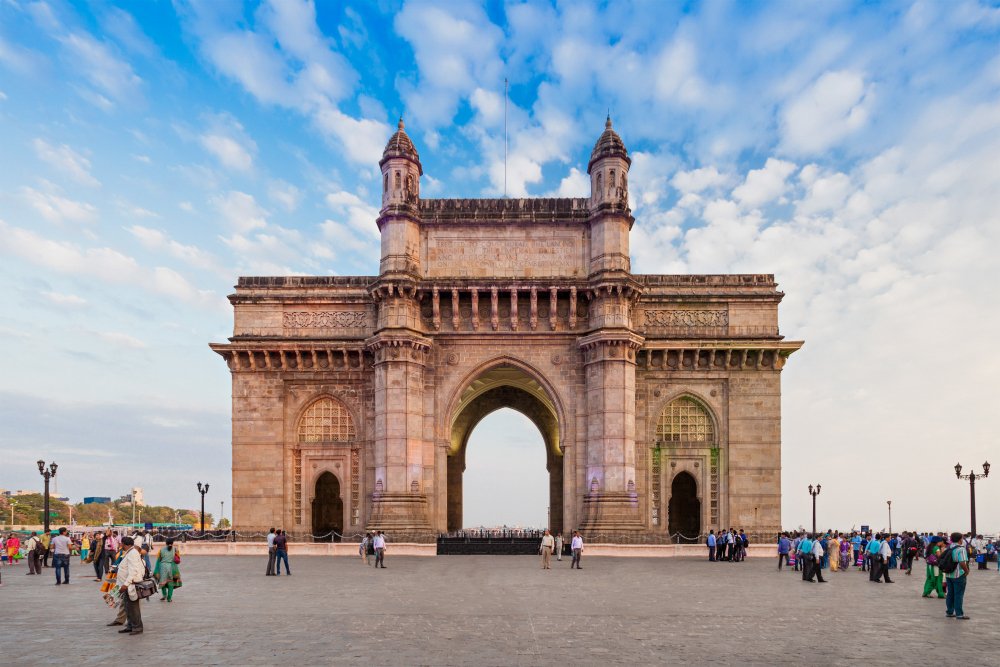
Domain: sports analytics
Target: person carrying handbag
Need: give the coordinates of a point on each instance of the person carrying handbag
(167, 571)
(131, 571)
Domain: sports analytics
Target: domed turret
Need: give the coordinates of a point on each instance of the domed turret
(608, 145)
(401, 170)
(608, 169)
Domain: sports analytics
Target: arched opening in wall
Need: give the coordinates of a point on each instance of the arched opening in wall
(516, 473)
(505, 482)
(685, 508)
(327, 509)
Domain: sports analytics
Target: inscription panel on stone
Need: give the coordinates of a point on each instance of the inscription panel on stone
(686, 318)
(514, 254)
(306, 323)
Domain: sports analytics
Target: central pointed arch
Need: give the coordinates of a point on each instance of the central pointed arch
(504, 383)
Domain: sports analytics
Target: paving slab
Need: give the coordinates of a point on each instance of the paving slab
(502, 610)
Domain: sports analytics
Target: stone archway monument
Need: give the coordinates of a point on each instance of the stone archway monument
(530, 304)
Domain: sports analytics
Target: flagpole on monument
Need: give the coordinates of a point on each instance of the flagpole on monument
(505, 87)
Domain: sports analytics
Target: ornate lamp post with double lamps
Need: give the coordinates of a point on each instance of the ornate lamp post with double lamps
(47, 474)
(202, 490)
(814, 494)
(972, 477)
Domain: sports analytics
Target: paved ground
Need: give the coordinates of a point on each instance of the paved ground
(502, 610)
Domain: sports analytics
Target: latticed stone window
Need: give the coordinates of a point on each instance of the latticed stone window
(326, 420)
(685, 420)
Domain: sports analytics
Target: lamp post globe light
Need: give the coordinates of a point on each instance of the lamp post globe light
(202, 490)
(972, 477)
(814, 494)
(47, 474)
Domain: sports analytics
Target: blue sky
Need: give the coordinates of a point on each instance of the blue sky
(152, 152)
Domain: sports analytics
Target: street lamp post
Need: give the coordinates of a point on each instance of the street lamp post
(202, 490)
(222, 512)
(814, 494)
(47, 474)
(889, 503)
(972, 477)
(13, 504)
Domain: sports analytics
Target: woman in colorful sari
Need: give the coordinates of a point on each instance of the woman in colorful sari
(166, 571)
(834, 557)
(845, 554)
(935, 578)
(13, 547)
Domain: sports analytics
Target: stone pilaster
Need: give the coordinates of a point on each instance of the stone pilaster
(611, 504)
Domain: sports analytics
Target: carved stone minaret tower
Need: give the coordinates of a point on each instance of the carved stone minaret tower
(611, 503)
(400, 351)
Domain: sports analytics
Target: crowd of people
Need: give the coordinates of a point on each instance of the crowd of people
(121, 563)
(946, 557)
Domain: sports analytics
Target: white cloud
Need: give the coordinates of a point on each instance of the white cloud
(240, 210)
(357, 214)
(66, 160)
(836, 105)
(457, 51)
(159, 241)
(56, 208)
(698, 180)
(67, 300)
(227, 151)
(285, 194)
(575, 184)
(121, 340)
(96, 63)
(104, 264)
(763, 186)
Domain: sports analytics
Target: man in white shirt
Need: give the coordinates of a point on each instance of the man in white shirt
(270, 553)
(884, 553)
(131, 571)
(380, 549)
(546, 550)
(60, 555)
(817, 560)
(577, 546)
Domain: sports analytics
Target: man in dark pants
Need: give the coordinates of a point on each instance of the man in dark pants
(804, 556)
(881, 562)
(816, 561)
(270, 553)
(131, 570)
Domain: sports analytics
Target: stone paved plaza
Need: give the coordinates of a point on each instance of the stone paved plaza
(501, 610)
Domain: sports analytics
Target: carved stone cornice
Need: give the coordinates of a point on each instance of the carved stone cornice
(283, 356)
(716, 355)
(385, 288)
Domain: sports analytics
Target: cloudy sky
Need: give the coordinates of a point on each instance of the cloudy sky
(152, 152)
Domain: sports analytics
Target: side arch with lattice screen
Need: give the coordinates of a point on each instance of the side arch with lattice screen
(685, 420)
(326, 420)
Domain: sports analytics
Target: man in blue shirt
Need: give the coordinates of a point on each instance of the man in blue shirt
(711, 545)
(784, 544)
(804, 553)
(955, 597)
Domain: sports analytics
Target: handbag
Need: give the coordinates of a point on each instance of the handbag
(145, 589)
(177, 558)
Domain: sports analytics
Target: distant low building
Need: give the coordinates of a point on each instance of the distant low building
(93, 500)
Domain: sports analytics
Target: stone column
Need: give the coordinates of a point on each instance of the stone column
(399, 501)
(611, 504)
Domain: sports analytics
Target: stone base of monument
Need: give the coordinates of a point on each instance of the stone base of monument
(350, 550)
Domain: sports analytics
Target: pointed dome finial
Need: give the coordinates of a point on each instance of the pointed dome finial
(400, 125)
(608, 145)
(607, 123)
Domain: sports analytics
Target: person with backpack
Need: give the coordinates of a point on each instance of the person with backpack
(934, 580)
(954, 562)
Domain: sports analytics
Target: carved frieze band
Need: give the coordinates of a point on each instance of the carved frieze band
(687, 318)
(337, 319)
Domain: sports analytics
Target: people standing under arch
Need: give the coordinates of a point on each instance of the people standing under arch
(559, 546)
